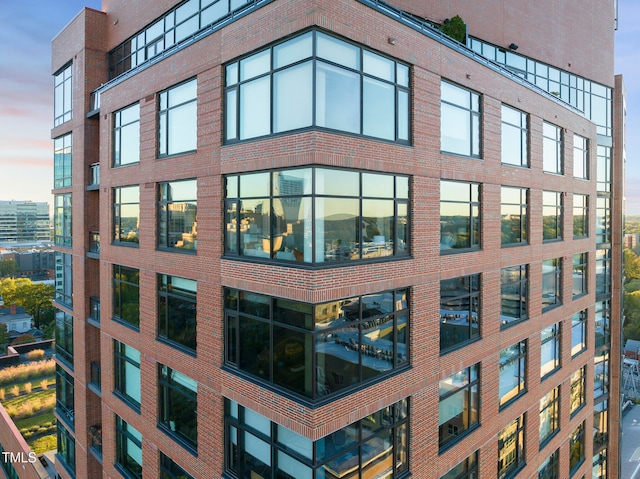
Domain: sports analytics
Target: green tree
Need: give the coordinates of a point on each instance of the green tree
(36, 298)
(8, 268)
(456, 29)
(49, 330)
(632, 315)
(631, 265)
(25, 338)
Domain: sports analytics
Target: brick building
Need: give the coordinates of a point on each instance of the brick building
(319, 239)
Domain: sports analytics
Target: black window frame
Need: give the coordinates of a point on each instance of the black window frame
(132, 321)
(165, 111)
(577, 445)
(552, 216)
(234, 84)
(468, 293)
(549, 408)
(602, 324)
(550, 468)
(522, 224)
(578, 396)
(603, 220)
(601, 374)
(122, 362)
(581, 157)
(510, 464)
(63, 161)
(64, 336)
(124, 437)
(66, 452)
(118, 129)
(170, 470)
(183, 302)
(553, 142)
(117, 237)
(64, 279)
(522, 128)
(507, 358)
(469, 386)
(168, 217)
(468, 468)
(508, 295)
(63, 90)
(551, 295)
(475, 120)
(473, 229)
(580, 276)
(169, 390)
(603, 271)
(580, 216)
(551, 334)
(65, 405)
(579, 322)
(63, 220)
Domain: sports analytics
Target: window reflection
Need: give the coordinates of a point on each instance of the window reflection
(459, 215)
(459, 311)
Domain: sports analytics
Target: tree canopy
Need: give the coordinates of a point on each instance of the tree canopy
(36, 298)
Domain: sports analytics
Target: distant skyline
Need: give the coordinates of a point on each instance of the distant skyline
(26, 94)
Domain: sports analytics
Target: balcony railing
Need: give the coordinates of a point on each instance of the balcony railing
(65, 412)
(94, 175)
(95, 432)
(95, 374)
(94, 242)
(94, 306)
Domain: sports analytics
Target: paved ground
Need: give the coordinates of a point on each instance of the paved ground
(630, 450)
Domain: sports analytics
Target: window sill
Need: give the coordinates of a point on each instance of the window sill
(125, 472)
(167, 249)
(457, 347)
(445, 252)
(60, 460)
(315, 266)
(191, 448)
(452, 442)
(177, 346)
(515, 245)
(504, 406)
(126, 244)
(129, 402)
(508, 324)
(127, 324)
(174, 155)
(548, 439)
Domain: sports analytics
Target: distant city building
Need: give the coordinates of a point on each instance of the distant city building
(34, 264)
(22, 221)
(631, 240)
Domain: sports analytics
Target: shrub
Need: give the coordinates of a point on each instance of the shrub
(15, 390)
(25, 338)
(1, 394)
(22, 372)
(35, 354)
(44, 384)
(27, 388)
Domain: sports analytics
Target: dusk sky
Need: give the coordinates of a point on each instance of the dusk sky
(26, 94)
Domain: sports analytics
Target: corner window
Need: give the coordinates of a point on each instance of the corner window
(317, 350)
(513, 372)
(317, 215)
(603, 171)
(62, 164)
(580, 157)
(551, 283)
(177, 119)
(126, 215)
(580, 274)
(549, 415)
(62, 95)
(317, 80)
(66, 449)
(511, 448)
(178, 403)
(578, 390)
(126, 136)
(64, 395)
(64, 278)
(374, 446)
(177, 215)
(128, 449)
(467, 469)
(64, 336)
(126, 366)
(459, 215)
(552, 159)
(602, 323)
(515, 137)
(459, 120)
(550, 350)
(459, 311)
(580, 216)
(62, 224)
(513, 294)
(578, 333)
(177, 311)
(514, 217)
(576, 448)
(126, 295)
(603, 271)
(551, 215)
(603, 220)
(550, 469)
(600, 424)
(459, 404)
(601, 374)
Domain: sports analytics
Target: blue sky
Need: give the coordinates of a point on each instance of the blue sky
(26, 94)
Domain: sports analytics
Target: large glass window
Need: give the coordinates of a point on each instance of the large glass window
(317, 215)
(177, 311)
(511, 448)
(178, 405)
(317, 350)
(513, 372)
(64, 336)
(580, 216)
(599, 470)
(459, 120)
(64, 395)
(62, 164)
(550, 469)
(515, 137)
(578, 333)
(177, 119)
(459, 215)
(580, 274)
(126, 136)
(551, 283)
(550, 350)
(64, 278)
(126, 295)
(467, 469)
(603, 220)
(601, 374)
(576, 447)
(580, 157)
(600, 424)
(552, 159)
(603, 271)
(62, 95)
(578, 390)
(170, 470)
(549, 415)
(459, 404)
(513, 294)
(602, 322)
(62, 230)
(513, 214)
(317, 80)
(128, 449)
(126, 215)
(66, 448)
(374, 446)
(177, 215)
(459, 311)
(603, 171)
(551, 215)
(126, 367)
